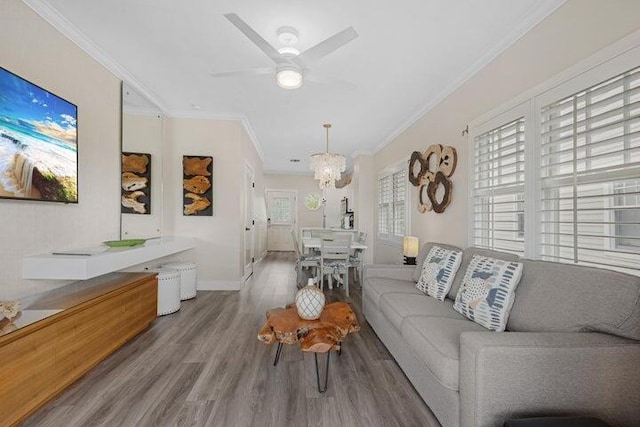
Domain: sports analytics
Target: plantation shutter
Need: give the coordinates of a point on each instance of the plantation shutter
(392, 207)
(385, 198)
(498, 188)
(399, 205)
(590, 176)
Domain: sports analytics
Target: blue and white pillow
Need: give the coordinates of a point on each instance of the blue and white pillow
(487, 291)
(439, 269)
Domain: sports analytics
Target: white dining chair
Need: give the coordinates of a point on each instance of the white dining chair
(303, 260)
(334, 259)
(356, 260)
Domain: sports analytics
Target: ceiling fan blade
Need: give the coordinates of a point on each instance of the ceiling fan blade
(256, 38)
(327, 46)
(243, 73)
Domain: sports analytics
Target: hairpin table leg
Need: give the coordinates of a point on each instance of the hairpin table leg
(322, 389)
(278, 351)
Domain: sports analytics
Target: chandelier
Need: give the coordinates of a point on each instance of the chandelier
(327, 166)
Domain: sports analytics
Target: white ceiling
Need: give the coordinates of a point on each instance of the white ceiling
(408, 56)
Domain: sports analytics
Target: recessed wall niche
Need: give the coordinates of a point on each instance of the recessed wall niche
(142, 133)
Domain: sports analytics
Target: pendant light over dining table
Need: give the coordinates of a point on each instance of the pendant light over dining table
(327, 166)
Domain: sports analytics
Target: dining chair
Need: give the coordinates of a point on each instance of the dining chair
(303, 260)
(321, 232)
(305, 232)
(357, 258)
(334, 259)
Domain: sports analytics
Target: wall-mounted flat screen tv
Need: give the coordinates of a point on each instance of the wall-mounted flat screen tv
(38, 143)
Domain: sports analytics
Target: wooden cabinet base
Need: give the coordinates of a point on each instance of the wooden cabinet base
(40, 360)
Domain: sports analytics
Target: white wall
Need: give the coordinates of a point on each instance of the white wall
(575, 31)
(364, 199)
(34, 50)
(218, 244)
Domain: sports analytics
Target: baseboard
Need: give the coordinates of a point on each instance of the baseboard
(218, 285)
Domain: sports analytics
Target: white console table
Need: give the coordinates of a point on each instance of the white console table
(88, 263)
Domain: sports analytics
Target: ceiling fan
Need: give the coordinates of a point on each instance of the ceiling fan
(291, 66)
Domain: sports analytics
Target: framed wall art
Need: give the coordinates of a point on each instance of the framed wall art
(197, 185)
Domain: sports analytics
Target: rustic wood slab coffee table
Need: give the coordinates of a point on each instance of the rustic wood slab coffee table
(317, 336)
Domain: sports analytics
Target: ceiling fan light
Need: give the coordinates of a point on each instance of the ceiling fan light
(288, 51)
(289, 78)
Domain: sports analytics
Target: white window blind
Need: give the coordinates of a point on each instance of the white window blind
(590, 164)
(392, 206)
(385, 197)
(498, 188)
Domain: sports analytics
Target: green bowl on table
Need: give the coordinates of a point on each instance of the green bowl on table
(124, 243)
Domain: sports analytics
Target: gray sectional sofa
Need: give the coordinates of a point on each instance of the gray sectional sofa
(572, 345)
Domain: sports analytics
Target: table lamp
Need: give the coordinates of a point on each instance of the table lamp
(410, 250)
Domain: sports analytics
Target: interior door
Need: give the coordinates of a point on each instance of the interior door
(249, 222)
(281, 219)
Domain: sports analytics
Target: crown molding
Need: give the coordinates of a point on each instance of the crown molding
(252, 136)
(62, 24)
(538, 13)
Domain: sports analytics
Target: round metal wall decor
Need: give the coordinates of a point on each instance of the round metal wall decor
(313, 201)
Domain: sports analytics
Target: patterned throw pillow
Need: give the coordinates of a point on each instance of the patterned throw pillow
(487, 291)
(438, 271)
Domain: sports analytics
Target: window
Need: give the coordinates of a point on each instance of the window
(392, 205)
(498, 188)
(590, 156)
(281, 210)
(627, 217)
(555, 173)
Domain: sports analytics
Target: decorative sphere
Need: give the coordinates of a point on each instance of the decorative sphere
(309, 302)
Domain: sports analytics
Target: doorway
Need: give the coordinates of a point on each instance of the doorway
(281, 218)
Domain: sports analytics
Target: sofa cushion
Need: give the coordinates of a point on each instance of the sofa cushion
(375, 287)
(397, 307)
(436, 342)
(467, 256)
(487, 292)
(422, 255)
(438, 271)
(555, 297)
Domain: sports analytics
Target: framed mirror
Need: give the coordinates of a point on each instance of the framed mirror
(141, 167)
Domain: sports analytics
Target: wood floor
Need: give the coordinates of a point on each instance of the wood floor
(203, 366)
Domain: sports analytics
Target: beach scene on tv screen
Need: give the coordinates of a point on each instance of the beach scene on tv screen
(38, 142)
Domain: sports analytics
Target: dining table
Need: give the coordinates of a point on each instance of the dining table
(316, 243)
(311, 244)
